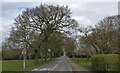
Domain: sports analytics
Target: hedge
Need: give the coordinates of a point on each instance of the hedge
(105, 62)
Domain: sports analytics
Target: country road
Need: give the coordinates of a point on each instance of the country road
(61, 64)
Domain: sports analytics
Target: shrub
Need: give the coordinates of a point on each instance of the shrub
(105, 62)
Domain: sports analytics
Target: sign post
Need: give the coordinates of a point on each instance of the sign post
(24, 57)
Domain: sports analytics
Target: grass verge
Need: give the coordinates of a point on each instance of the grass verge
(17, 65)
(84, 62)
(0, 66)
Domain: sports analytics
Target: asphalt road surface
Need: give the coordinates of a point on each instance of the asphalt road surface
(61, 64)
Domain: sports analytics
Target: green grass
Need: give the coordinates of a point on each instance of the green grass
(0, 66)
(82, 62)
(17, 65)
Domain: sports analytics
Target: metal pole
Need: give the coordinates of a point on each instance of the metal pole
(24, 61)
(24, 57)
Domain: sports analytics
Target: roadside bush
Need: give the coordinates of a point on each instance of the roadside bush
(105, 62)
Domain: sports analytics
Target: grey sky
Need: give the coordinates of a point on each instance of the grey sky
(86, 13)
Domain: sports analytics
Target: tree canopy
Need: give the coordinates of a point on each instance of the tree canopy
(36, 27)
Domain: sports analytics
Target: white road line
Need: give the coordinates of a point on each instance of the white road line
(55, 66)
(61, 69)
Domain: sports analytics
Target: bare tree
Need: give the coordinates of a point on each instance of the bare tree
(103, 38)
(36, 25)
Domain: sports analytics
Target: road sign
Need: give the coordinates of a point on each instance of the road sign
(24, 52)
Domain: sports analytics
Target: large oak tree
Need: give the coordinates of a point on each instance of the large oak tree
(33, 28)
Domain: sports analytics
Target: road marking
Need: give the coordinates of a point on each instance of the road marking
(44, 69)
(55, 66)
(35, 69)
(61, 69)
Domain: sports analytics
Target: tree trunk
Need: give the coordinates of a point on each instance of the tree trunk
(41, 57)
(45, 53)
(36, 57)
(54, 56)
(50, 55)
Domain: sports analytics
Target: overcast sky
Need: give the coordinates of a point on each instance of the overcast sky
(86, 13)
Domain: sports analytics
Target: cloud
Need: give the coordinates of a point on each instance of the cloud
(5, 27)
(12, 9)
(83, 21)
(95, 11)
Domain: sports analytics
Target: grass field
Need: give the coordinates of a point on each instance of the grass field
(82, 62)
(0, 66)
(17, 65)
